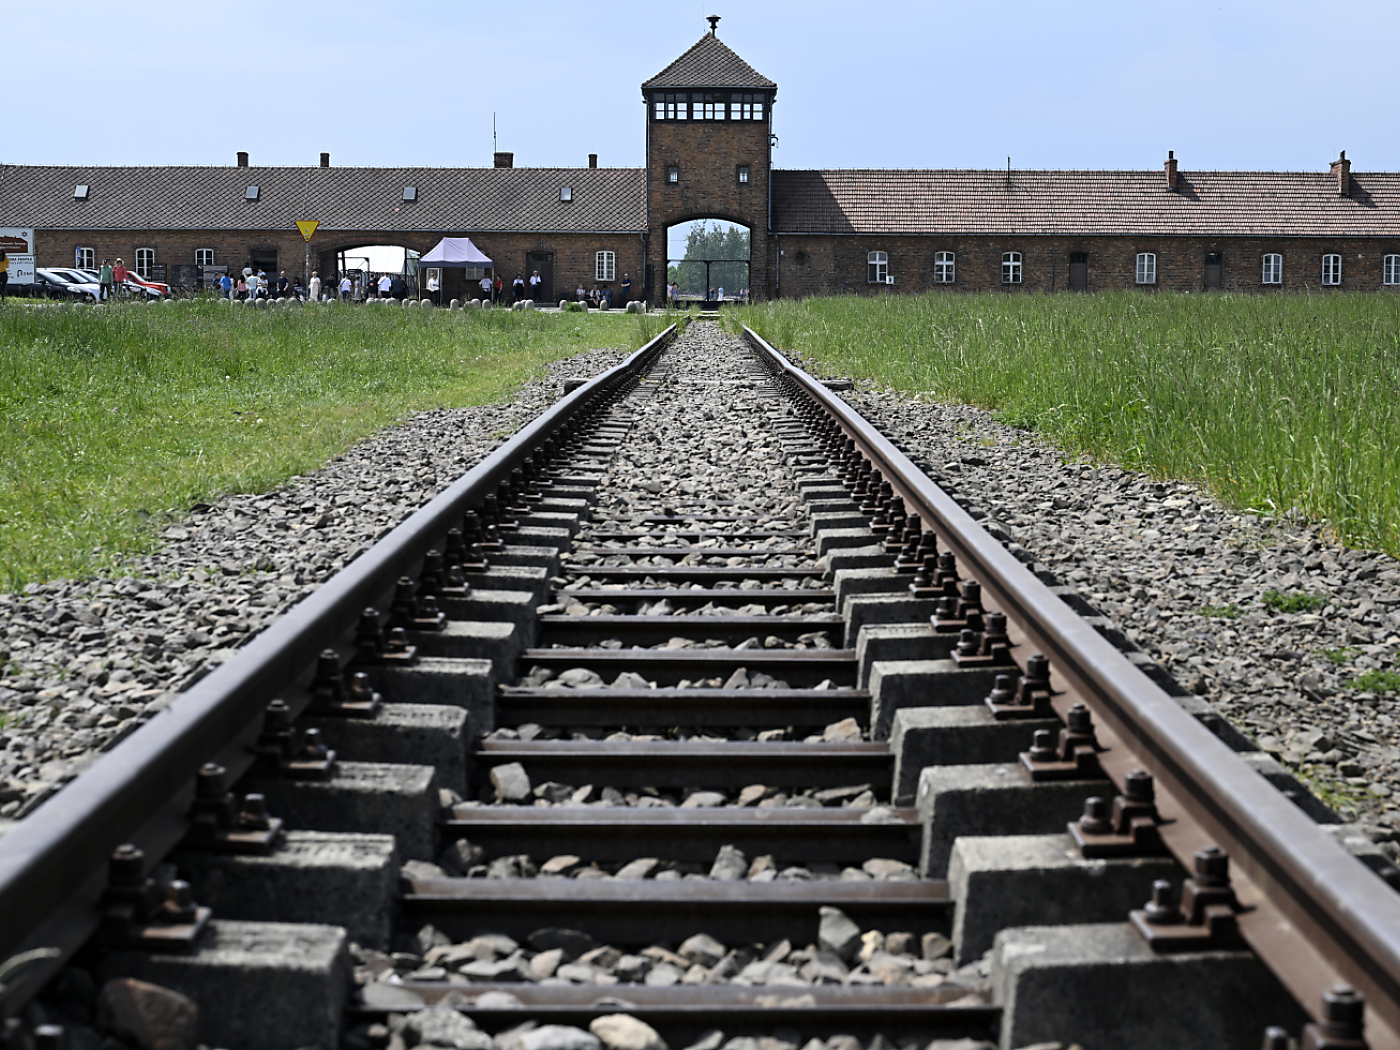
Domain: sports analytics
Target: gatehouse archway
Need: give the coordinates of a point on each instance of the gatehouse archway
(710, 259)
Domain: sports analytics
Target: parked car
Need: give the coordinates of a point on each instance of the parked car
(66, 283)
(135, 284)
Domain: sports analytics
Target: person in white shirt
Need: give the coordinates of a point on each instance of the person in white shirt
(433, 289)
(485, 289)
(535, 281)
(346, 287)
(721, 294)
(581, 295)
(314, 289)
(385, 283)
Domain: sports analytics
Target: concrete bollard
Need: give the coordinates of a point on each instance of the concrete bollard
(408, 302)
(455, 304)
(563, 304)
(475, 304)
(262, 303)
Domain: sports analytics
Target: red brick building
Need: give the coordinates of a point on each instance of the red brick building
(709, 128)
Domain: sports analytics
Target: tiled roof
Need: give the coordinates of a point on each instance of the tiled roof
(709, 64)
(466, 199)
(1088, 203)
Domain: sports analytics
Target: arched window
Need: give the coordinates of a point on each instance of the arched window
(1390, 269)
(1273, 269)
(1010, 267)
(945, 267)
(1332, 269)
(877, 267)
(1147, 268)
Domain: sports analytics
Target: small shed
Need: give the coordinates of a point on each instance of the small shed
(461, 255)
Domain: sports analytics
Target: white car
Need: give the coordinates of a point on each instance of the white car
(68, 281)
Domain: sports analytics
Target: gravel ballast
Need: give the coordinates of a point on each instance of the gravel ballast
(86, 662)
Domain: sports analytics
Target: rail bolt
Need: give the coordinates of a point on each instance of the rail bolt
(1095, 819)
(50, 1037)
(1212, 867)
(1275, 1039)
(1043, 747)
(210, 781)
(1139, 787)
(1161, 910)
(1004, 691)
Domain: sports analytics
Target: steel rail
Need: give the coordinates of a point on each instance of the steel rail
(1315, 914)
(56, 855)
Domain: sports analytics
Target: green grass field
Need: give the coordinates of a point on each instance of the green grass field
(113, 420)
(1273, 402)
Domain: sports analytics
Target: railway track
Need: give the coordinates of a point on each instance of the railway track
(697, 714)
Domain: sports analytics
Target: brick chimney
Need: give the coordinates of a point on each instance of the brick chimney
(1171, 171)
(1341, 168)
(593, 160)
(325, 160)
(505, 160)
(242, 158)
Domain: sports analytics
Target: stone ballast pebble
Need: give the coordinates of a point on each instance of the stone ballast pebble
(86, 662)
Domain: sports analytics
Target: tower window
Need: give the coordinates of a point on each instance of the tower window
(605, 266)
(746, 107)
(877, 267)
(670, 106)
(673, 174)
(945, 267)
(1331, 269)
(743, 174)
(1273, 269)
(711, 107)
(1146, 268)
(1010, 267)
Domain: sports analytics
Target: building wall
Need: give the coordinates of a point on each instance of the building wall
(829, 265)
(574, 253)
(708, 154)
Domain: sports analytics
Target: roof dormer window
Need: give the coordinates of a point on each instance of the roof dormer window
(566, 193)
(250, 193)
(410, 193)
(80, 192)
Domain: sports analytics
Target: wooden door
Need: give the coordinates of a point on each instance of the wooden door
(1078, 271)
(1213, 268)
(544, 262)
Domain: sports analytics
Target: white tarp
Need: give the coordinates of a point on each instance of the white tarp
(18, 243)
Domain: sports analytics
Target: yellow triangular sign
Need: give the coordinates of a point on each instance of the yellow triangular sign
(307, 227)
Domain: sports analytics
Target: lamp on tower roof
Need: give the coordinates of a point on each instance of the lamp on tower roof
(714, 23)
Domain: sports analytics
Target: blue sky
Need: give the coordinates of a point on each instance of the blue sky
(1073, 84)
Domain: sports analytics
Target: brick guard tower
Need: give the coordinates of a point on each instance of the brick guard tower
(709, 152)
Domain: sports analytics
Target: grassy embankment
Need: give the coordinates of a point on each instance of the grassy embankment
(1274, 402)
(111, 420)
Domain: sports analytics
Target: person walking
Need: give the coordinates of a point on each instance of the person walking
(346, 287)
(626, 289)
(241, 288)
(385, 284)
(226, 286)
(104, 281)
(485, 283)
(314, 291)
(4, 274)
(119, 274)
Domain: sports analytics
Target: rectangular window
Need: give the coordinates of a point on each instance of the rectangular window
(669, 106)
(605, 266)
(1390, 269)
(85, 259)
(945, 267)
(877, 267)
(711, 107)
(1146, 268)
(145, 260)
(204, 256)
(1332, 269)
(1010, 267)
(673, 174)
(746, 107)
(1273, 269)
(743, 174)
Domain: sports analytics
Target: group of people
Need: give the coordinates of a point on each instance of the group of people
(716, 295)
(251, 284)
(600, 298)
(493, 289)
